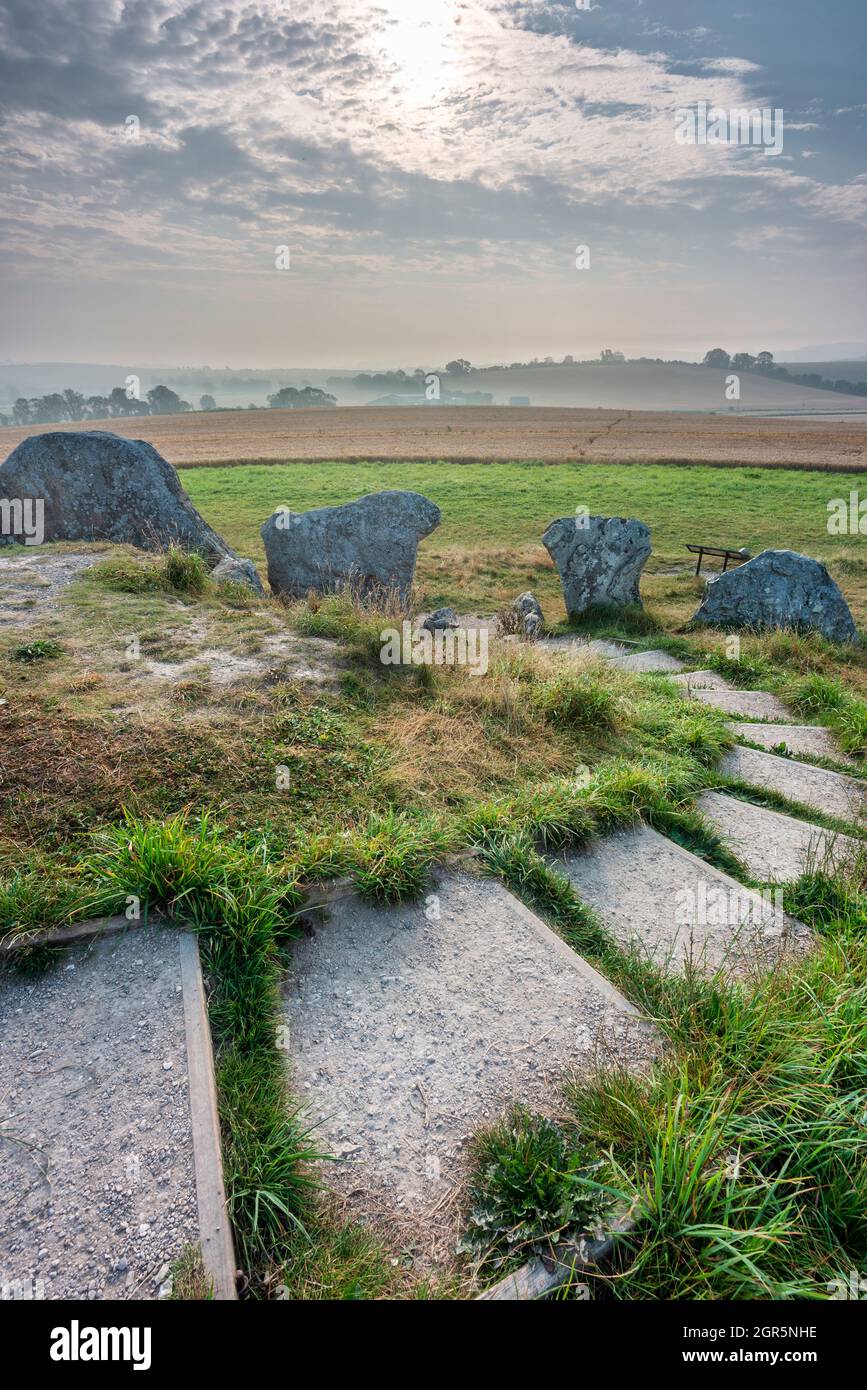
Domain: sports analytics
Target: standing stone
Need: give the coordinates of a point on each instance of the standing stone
(98, 486)
(778, 589)
(600, 559)
(368, 546)
(233, 571)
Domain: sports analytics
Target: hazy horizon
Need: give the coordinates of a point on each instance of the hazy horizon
(855, 351)
(432, 167)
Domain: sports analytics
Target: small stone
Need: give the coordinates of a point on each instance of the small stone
(532, 619)
(442, 618)
(234, 571)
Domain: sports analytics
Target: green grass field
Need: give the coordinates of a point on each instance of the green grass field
(499, 512)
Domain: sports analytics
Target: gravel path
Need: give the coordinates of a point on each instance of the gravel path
(97, 1189)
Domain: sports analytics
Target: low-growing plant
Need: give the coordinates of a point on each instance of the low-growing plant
(530, 1188)
(818, 693)
(33, 900)
(43, 650)
(176, 571)
(184, 571)
(184, 866)
(825, 697)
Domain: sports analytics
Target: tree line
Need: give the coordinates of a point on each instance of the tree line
(59, 407)
(764, 362)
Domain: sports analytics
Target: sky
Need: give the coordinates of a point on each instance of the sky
(429, 168)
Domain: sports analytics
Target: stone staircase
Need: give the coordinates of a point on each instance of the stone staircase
(670, 905)
(410, 1026)
(758, 717)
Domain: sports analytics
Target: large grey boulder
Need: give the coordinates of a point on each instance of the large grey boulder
(778, 589)
(600, 559)
(97, 486)
(231, 570)
(368, 546)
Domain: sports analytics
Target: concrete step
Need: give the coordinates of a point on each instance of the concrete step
(570, 645)
(831, 792)
(101, 1169)
(410, 1026)
(673, 907)
(702, 680)
(620, 654)
(647, 661)
(711, 689)
(808, 739)
(774, 847)
(745, 704)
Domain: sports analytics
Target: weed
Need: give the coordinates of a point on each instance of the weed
(529, 1188)
(44, 650)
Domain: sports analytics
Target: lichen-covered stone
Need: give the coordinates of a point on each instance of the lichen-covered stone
(440, 620)
(368, 546)
(532, 619)
(599, 558)
(233, 571)
(778, 589)
(98, 486)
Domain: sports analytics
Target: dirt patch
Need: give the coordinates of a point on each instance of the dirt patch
(97, 1179)
(31, 586)
(281, 656)
(411, 1026)
(180, 641)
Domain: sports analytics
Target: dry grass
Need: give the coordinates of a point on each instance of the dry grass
(478, 734)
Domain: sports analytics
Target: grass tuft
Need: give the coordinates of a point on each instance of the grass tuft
(176, 571)
(392, 855)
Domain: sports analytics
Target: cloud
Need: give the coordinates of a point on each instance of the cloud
(450, 137)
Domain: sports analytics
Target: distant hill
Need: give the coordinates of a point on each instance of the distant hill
(638, 386)
(633, 387)
(849, 369)
(825, 353)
